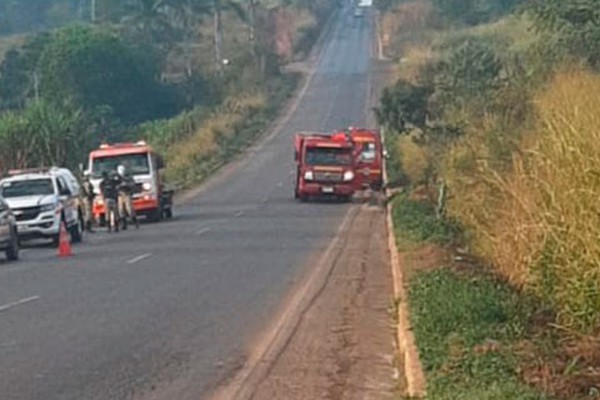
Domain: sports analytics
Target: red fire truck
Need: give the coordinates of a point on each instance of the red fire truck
(324, 165)
(150, 197)
(368, 158)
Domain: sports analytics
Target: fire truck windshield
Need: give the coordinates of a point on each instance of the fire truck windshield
(328, 156)
(368, 152)
(136, 164)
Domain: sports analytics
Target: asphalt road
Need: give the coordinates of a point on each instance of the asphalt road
(137, 311)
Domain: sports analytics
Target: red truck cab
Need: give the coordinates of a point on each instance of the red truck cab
(324, 165)
(368, 158)
(150, 197)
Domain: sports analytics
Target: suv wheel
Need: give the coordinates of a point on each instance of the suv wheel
(12, 251)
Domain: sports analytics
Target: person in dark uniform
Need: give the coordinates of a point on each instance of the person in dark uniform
(109, 187)
(126, 188)
(88, 202)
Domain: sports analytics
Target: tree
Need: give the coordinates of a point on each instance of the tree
(18, 71)
(215, 9)
(97, 69)
(153, 20)
(576, 22)
(403, 106)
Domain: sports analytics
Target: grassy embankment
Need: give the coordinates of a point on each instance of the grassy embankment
(511, 133)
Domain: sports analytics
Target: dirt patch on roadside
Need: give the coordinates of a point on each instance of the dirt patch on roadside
(426, 257)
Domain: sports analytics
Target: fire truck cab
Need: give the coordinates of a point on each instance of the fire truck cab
(368, 158)
(150, 197)
(324, 165)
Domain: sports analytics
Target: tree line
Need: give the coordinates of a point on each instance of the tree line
(99, 69)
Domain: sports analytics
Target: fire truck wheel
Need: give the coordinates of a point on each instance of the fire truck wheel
(156, 215)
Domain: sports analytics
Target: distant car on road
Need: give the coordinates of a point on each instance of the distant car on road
(41, 199)
(9, 241)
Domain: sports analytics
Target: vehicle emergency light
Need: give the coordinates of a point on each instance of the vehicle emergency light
(339, 137)
(39, 170)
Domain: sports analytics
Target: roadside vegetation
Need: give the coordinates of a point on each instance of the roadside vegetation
(492, 129)
(197, 79)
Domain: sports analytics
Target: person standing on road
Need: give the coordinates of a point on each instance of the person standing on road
(88, 202)
(126, 188)
(110, 193)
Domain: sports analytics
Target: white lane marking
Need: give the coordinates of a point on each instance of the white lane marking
(203, 231)
(8, 306)
(239, 214)
(139, 258)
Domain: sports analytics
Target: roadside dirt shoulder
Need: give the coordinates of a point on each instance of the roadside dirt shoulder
(343, 346)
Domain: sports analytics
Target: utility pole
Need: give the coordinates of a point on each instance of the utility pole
(93, 11)
(218, 35)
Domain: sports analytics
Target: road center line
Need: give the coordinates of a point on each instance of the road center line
(239, 214)
(202, 231)
(139, 258)
(8, 306)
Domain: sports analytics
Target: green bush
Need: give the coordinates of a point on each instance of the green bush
(44, 134)
(576, 22)
(403, 106)
(464, 326)
(473, 12)
(416, 220)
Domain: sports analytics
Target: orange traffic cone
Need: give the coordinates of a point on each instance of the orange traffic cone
(64, 245)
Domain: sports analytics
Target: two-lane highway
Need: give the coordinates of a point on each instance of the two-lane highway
(176, 303)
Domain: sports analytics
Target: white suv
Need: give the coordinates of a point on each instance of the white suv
(41, 200)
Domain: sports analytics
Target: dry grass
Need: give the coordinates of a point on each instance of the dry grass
(415, 58)
(407, 23)
(185, 158)
(415, 159)
(540, 224)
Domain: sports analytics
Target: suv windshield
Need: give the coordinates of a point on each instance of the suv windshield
(328, 156)
(32, 187)
(136, 164)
